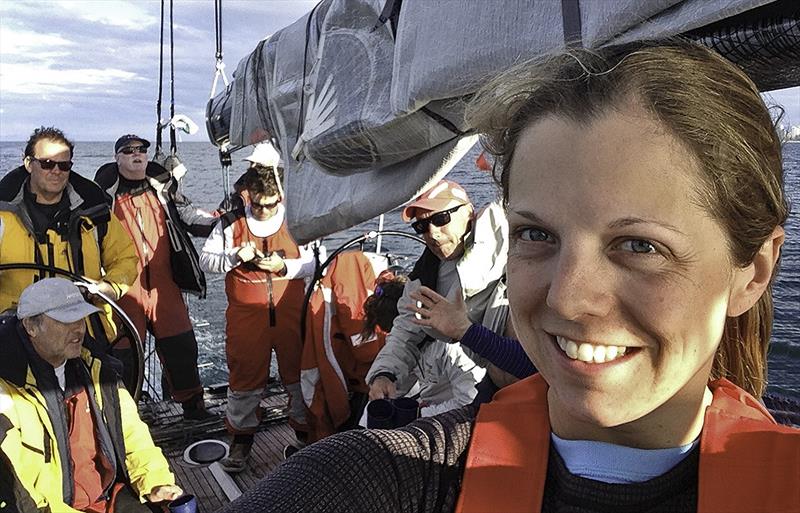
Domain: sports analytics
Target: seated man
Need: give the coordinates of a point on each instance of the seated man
(464, 258)
(67, 425)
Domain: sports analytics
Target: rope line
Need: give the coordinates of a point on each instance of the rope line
(160, 82)
(219, 66)
(172, 144)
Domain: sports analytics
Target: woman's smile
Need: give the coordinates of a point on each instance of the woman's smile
(619, 294)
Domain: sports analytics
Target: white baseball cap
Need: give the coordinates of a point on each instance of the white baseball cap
(265, 155)
(57, 298)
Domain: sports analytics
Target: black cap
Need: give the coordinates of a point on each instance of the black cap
(126, 139)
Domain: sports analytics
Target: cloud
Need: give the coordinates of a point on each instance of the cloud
(23, 43)
(124, 15)
(17, 79)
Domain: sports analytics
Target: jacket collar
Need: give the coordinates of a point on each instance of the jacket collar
(13, 356)
(107, 176)
(83, 194)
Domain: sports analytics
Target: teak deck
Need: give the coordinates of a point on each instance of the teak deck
(173, 435)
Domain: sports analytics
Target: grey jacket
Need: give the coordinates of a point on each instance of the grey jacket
(478, 276)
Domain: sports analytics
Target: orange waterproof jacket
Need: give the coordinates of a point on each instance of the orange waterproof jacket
(335, 315)
(748, 463)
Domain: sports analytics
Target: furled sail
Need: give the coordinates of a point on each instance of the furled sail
(365, 98)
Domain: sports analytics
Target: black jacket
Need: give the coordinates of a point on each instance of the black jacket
(182, 219)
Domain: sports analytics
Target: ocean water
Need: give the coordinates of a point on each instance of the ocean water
(203, 185)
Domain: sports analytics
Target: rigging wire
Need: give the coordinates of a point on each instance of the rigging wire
(219, 71)
(160, 83)
(160, 124)
(219, 67)
(172, 144)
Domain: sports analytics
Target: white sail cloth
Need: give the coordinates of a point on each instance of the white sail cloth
(366, 117)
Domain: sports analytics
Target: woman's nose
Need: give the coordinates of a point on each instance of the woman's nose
(581, 285)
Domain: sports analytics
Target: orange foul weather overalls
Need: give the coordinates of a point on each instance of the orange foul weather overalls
(154, 301)
(263, 314)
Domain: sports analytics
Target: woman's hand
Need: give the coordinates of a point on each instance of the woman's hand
(435, 311)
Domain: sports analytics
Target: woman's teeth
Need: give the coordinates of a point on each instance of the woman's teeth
(589, 353)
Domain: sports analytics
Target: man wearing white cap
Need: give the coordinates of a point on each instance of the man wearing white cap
(265, 156)
(464, 260)
(264, 269)
(70, 429)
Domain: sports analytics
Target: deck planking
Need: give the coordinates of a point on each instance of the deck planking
(173, 435)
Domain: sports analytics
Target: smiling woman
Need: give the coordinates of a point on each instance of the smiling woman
(643, 185)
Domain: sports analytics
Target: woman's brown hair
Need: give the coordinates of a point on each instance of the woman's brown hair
(706, 103)
(380, 308)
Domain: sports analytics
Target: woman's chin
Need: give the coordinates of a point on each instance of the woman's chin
(593, 409)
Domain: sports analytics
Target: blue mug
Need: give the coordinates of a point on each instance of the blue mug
(380, 414)
(186, 503)
(391, 413)
(406, 410)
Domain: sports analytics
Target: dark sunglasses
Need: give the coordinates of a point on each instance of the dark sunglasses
(129, 150)
(437, 219)
(266, 206)
(64, 165)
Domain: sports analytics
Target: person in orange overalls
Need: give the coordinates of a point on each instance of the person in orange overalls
(265, 290)
(159, 219)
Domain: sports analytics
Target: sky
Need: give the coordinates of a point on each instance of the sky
(90, 67)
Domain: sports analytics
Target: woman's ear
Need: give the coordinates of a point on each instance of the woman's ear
(750, 282)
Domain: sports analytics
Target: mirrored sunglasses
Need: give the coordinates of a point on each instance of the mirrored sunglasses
(64, 165)
(438, 219)
(265, 206)
(129, 150)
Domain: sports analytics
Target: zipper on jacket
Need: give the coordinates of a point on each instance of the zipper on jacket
(145, 249)
(51, 256)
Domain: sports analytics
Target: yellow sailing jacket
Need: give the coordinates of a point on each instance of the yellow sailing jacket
(95, 244)
(34, 442)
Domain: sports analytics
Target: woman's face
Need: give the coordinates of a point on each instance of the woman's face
(619, 283)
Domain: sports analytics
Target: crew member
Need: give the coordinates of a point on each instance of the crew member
(70, 430)
(265, 290)
(158, 218)
(52, 216)
(465, 256)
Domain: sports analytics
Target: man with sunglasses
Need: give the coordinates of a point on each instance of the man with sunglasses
(52, 216)
(264, 269)
(145, 197)
(464, 259)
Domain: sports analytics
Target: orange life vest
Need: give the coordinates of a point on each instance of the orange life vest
(748, 463)
(246, 284)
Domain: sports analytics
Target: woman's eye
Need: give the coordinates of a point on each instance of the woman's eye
(639, 246)
(533, 235)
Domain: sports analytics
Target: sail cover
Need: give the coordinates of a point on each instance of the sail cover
(365, 98)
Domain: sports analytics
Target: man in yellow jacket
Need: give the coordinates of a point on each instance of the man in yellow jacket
(68, 427)
(53, 216)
